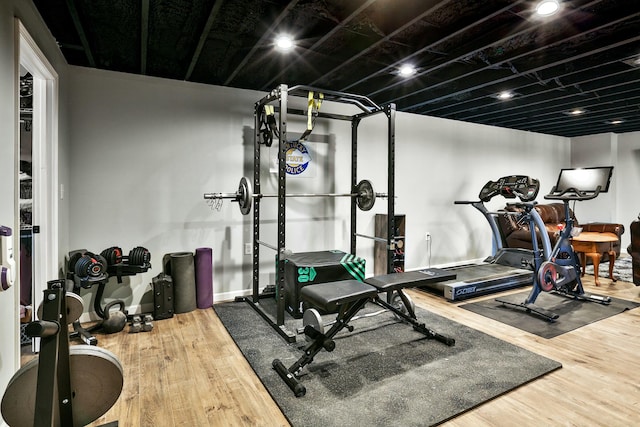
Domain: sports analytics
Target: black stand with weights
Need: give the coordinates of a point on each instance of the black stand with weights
(52, 389)
(123, 267)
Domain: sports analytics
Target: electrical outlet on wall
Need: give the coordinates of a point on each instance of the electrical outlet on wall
(247, 249)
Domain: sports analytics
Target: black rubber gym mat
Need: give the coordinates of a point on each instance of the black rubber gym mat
(384, 373)
(573, 313)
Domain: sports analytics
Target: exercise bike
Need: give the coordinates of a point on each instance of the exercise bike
(558, 269)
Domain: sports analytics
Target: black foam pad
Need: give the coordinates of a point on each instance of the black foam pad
(329, 296)
(409, 279)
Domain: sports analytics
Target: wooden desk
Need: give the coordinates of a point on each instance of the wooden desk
(593, 245)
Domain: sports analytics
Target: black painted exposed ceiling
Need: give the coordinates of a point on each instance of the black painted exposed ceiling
(466, 51)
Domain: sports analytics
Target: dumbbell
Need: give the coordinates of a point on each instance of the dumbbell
(113, 255)
(136, 325)
(147, 325)
(139, 256)
(87, 265)
(139, 324)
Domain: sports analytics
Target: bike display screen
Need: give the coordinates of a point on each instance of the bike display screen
(585, 180)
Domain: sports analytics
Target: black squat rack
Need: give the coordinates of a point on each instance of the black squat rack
(278, 100)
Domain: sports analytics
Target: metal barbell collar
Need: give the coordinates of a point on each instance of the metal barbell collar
(364, 194)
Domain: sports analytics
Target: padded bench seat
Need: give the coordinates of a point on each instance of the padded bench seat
(409, 279)
(330, 296)
(348, 297)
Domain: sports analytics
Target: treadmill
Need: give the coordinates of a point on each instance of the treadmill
(509, 267)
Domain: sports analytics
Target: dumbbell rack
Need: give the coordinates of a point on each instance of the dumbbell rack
(118, 270)
(85, 334)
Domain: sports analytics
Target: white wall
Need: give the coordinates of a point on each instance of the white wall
(628, 182)
(144, 150)
(9, 152)
(143, 153)
(592, 151)
(440, 161)
(623, 152)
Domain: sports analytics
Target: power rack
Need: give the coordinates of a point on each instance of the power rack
(279, 100)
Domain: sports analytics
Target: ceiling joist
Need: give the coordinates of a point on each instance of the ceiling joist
(464, 51)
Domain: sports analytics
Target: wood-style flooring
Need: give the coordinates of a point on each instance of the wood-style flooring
(189, 372)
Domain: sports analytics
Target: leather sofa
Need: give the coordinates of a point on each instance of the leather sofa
(517, 234)
(634, 250)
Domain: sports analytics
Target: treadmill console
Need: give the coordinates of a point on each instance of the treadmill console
(510, 187)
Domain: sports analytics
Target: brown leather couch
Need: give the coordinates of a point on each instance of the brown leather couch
(518, 235)
(634, 250)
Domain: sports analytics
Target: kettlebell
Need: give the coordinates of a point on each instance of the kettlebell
(114, 321)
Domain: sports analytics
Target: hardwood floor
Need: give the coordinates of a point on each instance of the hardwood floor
(598, 384)
(188, 372)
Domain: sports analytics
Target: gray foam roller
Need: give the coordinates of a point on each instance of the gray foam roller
(183, 274)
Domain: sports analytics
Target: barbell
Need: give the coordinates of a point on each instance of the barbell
(363, 193)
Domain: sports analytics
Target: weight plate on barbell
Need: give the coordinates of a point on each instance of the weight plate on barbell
(245, 196)
(364, 194)
(366, 197)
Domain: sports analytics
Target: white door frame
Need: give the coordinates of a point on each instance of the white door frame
(45, 161)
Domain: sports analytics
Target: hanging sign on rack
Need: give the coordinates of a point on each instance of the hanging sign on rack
(298, 158)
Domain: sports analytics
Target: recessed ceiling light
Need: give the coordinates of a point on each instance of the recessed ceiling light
(575, 112)
(547, 7)
(615, 122)
(407, 70)
(634, 62)
(505, 95)
(284, 42)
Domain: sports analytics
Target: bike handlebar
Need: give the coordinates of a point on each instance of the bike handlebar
(572, 194)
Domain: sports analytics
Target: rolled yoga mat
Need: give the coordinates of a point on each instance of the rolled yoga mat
(204, 277)
(180, 266)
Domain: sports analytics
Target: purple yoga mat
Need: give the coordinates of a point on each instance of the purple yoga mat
(204, 277)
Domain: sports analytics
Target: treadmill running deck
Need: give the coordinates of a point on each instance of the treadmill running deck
(480, 279)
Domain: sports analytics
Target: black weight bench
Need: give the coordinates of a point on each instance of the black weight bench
(347, 298)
